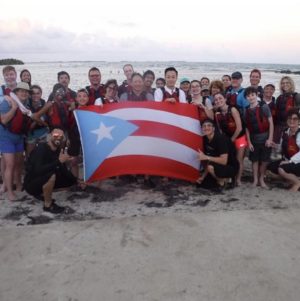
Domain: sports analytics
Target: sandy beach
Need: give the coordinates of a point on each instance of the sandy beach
(124, 241)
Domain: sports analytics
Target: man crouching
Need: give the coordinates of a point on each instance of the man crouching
(46, 170)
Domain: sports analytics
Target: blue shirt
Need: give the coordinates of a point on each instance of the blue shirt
(5, 134)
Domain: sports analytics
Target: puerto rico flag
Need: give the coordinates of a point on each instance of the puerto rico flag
(151, 138)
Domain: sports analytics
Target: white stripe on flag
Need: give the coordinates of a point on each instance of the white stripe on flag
(186, 123)
(158, 147)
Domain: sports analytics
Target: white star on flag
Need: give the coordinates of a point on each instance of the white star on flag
(103, 132)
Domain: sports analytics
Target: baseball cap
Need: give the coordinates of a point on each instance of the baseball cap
(184, 80)
(237, 75)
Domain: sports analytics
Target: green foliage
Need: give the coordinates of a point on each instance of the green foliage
(11, 62)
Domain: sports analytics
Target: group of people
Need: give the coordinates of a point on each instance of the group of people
(234, 121)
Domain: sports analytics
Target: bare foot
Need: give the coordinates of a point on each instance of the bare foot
(238, 183)
(263, 184)
(254, 184)
(11, 196)
(19, 187)
(3, 188)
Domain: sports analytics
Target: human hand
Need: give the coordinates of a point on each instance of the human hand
(172, 100)
(64, 157)
(251, 147)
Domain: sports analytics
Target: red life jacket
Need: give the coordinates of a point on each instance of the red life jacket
(284, 103)
(272, 107)
(226, 122)
(6, 90)
(257, 116)
(94, 94)
(70, 96)
(19, 124)
(289, 145)
(60, 115)
(166, 94)
(232, 97)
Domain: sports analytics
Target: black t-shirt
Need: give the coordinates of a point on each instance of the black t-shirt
(42, 160)
(219, 145)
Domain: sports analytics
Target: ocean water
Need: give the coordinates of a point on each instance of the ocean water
(45, 73)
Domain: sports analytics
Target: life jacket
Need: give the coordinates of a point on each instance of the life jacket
(94, 94)
(166, 94)
(272, 107)
(6, 90)
(258, 117)
(226, 122)
(202, 114)
(133, 97)
(284, 103)
(70, 95)
(232, 97)
(289, 145)
(19, 124)
(60, 115)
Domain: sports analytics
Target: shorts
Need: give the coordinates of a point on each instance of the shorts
(10, 147)
(64, 179)
(35, 139)
(241, 142)
(224, 171)
(292, 168)
(261, 153)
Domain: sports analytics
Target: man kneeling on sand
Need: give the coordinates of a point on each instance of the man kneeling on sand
(218, 157)
(46, 170)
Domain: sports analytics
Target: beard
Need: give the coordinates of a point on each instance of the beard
(57, 142)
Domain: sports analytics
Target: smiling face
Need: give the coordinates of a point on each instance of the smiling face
(22, 94)
(36, 94)
(226, 81)
(137, 84)
(148, 80)
(95, 77)
(195, 88)
(220, 100)
(208, 129)
(57, 137)
(286, 85)
(82, 98)
(128, 71)
(254, 79)
(64, 80)
(10, 78)
(293, 121)
(26, 77)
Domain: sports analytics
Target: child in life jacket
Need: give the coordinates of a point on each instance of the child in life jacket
(259, 131)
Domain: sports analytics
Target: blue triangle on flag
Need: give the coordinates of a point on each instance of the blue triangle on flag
(100, 135)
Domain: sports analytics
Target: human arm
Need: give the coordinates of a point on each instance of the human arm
(8, 110)
(158, 95)
(182, 97)
(296, 157)
(251, 148)
(238, 122)
(222, 159)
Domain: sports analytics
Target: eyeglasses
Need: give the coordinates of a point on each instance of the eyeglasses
(293, 119)
(111, 88)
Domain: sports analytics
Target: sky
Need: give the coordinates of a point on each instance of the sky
(254, 31)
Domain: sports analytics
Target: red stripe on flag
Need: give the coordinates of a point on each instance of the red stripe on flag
(182, 109)
(168, 132)
(135, 164)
